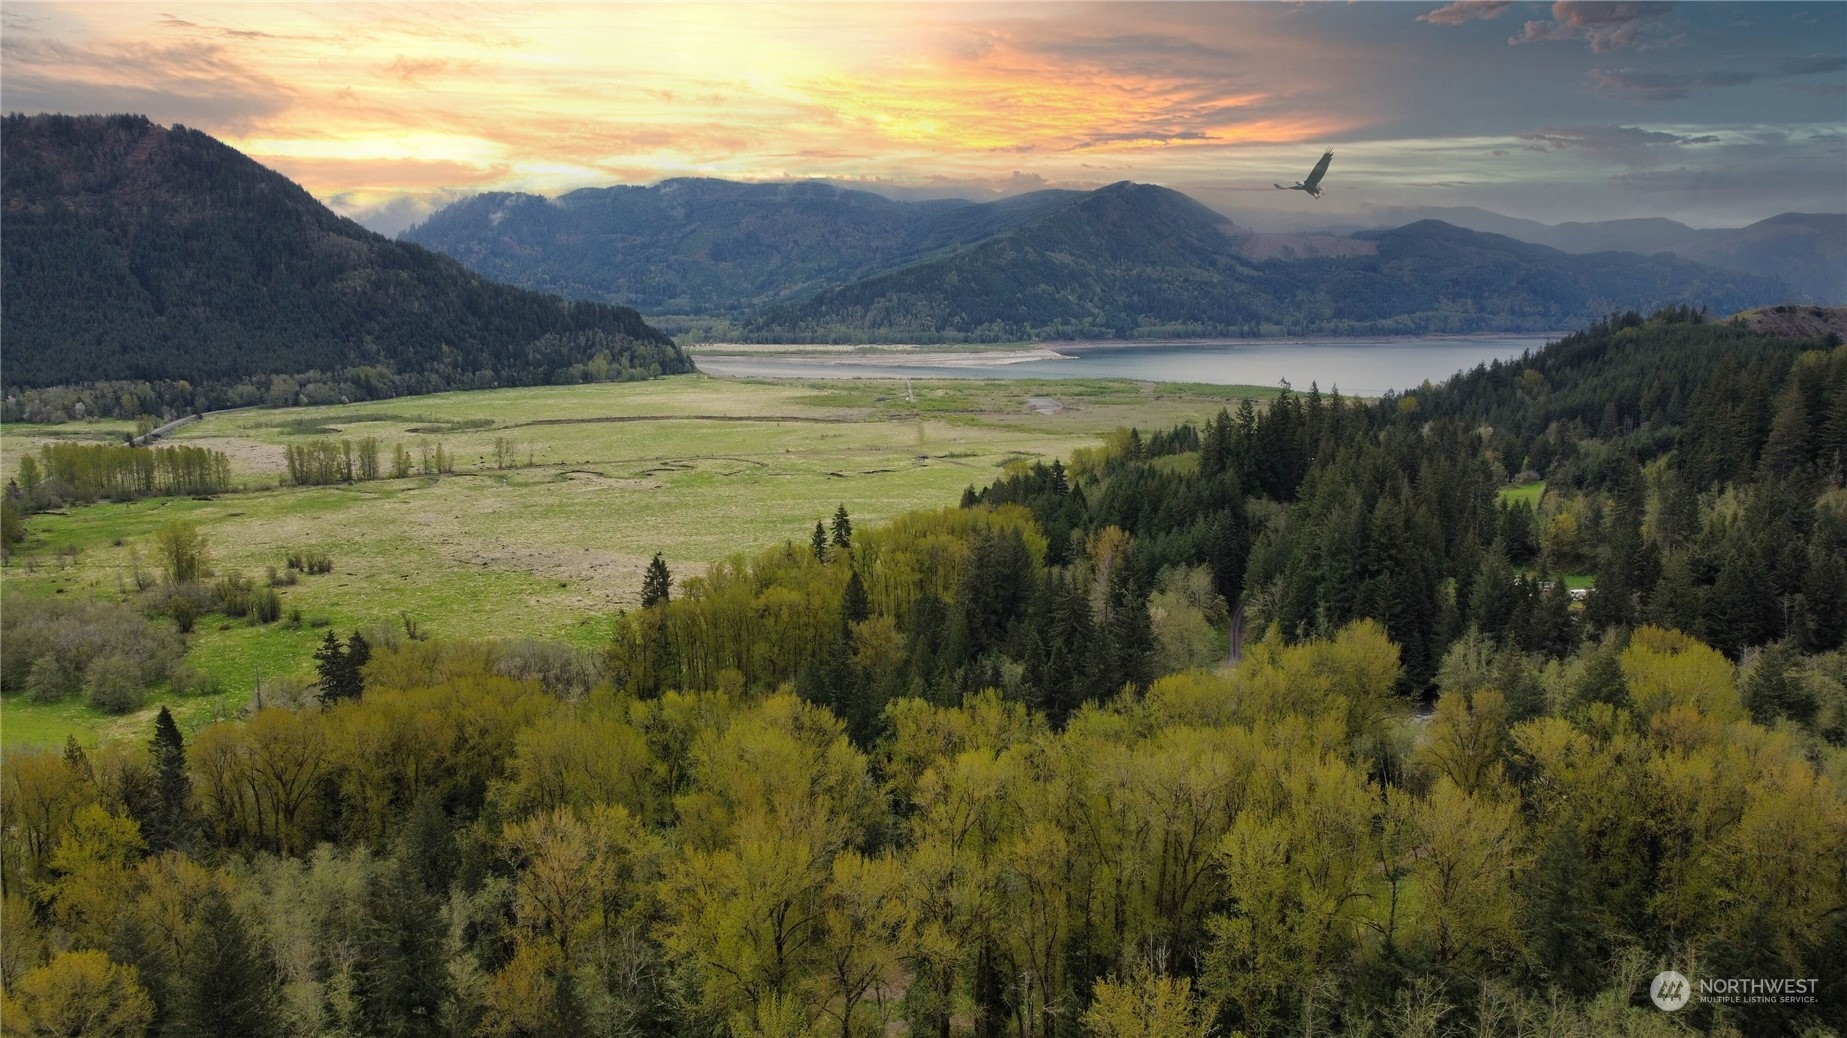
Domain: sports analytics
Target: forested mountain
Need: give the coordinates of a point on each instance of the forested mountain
(700, 246)
(1135, 259)
(140, 253)
(1808, 250)
(985, 770)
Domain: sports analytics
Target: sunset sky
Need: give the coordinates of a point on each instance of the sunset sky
(1713, 114)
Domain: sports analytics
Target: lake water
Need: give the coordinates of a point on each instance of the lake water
(1363, 367)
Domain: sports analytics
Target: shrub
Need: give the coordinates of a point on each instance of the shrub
(183, 611)
(234, 595)
(267, 605)
(48, 646)
(114, 683)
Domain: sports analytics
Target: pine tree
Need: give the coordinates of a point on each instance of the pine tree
(330, 664)
(169, 826)
(819, 541)
(656, 584)
(401, 979)
(228, 988)
(855, 606)
(843, 529)
(358, 654)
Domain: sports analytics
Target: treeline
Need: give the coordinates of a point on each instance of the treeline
(79, 473)
(1270, 849)
(197, 280)
(167, 399)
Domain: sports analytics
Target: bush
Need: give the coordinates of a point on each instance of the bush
(267, 605)
(47, 648)
(188, 680)
(310, 561)
(233, 595)
(53, 677)
(114, 683)
(183, 611)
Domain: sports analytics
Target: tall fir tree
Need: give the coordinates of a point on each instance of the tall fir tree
(843, 529)
(819, 541)
(168, 826)
(330, 665)
(228, 988)
(656, 584)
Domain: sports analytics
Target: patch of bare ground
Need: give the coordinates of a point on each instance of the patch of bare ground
(1797, 321)
(598, 581)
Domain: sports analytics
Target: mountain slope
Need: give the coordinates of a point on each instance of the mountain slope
(1134, 259)
(1808, 250)
(700, 246)
(133, 251)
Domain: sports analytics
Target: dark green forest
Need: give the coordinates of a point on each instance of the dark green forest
(985, 770)
(197, 279)
(1134, 260)
(706, 247)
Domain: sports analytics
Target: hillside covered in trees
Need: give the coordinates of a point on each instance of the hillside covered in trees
(983, 771)
(190, 277)
(702, 246)
(1134, 259)
(813, 262)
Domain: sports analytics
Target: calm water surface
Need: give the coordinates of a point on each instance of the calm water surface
(1366, 367)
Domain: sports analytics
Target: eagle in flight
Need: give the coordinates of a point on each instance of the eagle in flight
(1313, 184)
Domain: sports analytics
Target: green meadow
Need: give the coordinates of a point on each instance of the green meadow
(558, 499)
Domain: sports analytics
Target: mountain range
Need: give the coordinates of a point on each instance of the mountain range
(1808, 250)
(815, 261)
(1136, 260)
(138, 252)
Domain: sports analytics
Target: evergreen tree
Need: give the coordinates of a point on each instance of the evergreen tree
(855, 605)
(819, 541)
(330, 664)
(169, 825)
(656, 584)
(228, 988)
(843, 529)
(402, 980)
(1494, 596)
(1773, 690)
(358, 654)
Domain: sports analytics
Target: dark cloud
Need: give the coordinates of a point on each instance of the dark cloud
(1667, 86)
(1606, 25)
(1672, 86)
(1466, 10)
(1815, 65)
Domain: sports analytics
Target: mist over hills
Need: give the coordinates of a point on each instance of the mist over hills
(137, 252)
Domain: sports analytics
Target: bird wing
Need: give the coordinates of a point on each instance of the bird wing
(1321, 169)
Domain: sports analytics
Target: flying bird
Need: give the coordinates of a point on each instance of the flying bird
(1313, 184)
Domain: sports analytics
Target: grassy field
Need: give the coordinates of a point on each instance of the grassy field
(693, 467)
(1528, 492)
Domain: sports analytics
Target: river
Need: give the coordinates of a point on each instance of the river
(1364, 367)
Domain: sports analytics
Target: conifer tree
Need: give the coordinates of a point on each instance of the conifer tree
(843, 529)
(329, 663)
(656, 584)
(819, 541)
(228, 988)
(169, 825)
(855, 606)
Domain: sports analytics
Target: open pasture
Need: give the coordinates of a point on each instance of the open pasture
(600, 478)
